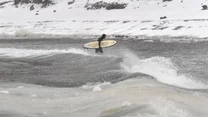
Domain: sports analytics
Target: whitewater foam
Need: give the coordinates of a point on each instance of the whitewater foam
(162, 107)
(160, 68)
(14, 52)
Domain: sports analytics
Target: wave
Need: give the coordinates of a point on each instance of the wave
(160, 68)
(17, 53)
(159, 107)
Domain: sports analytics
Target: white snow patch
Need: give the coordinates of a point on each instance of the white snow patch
(138, 18)
(97, 88)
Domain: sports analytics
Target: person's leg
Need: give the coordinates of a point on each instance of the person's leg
(101, 50)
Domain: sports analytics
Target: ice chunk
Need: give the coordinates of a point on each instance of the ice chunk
(97, 88)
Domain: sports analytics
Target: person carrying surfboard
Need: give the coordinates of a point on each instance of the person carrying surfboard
(100, 50)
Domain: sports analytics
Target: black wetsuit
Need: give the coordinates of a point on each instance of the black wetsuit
(100, 39)
(100, 50)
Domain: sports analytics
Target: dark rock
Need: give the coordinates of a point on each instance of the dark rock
(178, 27)
(44, 3)
(167, 0)
(116, 6)
(37, 1)
(32, 7)
(47, 3)
(54, 11)
(16, 2)
(164, 17)
(97, 5)
(204, 7)
(71, 2)
(108, 6)
(36, 14)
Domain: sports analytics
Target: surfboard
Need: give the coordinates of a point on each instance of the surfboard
(103, 44)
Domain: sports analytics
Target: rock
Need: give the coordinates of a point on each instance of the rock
(32, 7)
(116, 6)
(107, 6)
(167, 0)
(164, 17)
(71, 2)
(204, 7)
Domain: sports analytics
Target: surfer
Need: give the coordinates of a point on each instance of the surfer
(100, 50)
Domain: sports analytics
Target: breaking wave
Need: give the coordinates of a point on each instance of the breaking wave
(160, 68)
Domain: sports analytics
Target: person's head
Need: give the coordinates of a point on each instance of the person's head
(104, 35)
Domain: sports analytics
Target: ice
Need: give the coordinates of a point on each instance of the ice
(97, 88)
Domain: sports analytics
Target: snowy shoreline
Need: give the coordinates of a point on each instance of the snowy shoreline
(195, 28)
(137, 20)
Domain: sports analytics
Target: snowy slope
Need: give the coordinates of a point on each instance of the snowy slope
(140, 17)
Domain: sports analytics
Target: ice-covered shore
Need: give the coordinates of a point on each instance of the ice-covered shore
(181, 18)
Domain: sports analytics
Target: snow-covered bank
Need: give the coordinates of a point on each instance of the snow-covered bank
(196, 28)
(181, 18)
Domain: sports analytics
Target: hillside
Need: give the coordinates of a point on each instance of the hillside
(113, 17)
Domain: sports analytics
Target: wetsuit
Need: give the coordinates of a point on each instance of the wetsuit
(100, 50)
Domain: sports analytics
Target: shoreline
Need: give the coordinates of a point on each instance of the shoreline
(114, 29)
(165, 38)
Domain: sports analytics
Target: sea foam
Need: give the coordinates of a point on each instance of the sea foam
(14, 52)
(162, 69)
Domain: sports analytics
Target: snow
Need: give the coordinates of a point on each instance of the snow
(97, 88)
(184, 18)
